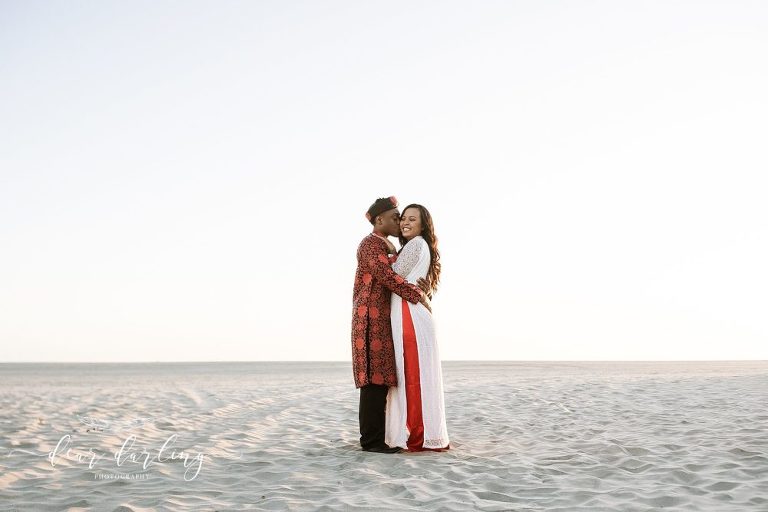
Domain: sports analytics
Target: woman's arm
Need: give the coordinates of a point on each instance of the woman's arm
(408, 258)
(375, 261)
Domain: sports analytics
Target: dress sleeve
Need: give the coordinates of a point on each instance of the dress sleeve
(408, 257)
(374, 260)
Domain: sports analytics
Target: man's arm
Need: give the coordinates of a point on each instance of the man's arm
(375, 261)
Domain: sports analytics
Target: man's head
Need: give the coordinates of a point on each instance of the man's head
(384, 216)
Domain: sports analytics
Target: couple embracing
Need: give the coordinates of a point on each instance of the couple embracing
(395, 357)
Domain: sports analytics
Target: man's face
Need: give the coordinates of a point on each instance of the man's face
(388, 223)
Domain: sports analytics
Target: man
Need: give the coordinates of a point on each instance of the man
(373, 356)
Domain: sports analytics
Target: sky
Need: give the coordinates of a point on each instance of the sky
(187, 181)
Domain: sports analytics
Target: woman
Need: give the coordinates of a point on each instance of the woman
(415, 415)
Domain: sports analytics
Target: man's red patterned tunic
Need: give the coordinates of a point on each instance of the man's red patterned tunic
(373, 352)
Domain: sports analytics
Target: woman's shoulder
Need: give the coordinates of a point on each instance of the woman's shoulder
(418, 242)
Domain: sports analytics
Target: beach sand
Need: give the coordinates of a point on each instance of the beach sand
(529, 436)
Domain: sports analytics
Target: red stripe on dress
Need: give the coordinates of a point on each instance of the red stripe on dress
(414, 420)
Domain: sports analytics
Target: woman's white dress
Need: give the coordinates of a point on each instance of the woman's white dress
(417, 359)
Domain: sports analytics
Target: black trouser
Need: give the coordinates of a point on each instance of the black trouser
(373, 405)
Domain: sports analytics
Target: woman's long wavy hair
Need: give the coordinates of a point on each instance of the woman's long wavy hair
(428, 233)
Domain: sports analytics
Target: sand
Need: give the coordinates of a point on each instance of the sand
(283, 436)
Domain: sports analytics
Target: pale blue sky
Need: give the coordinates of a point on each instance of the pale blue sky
(187, 180)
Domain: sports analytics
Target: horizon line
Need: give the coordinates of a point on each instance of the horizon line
(444, 361)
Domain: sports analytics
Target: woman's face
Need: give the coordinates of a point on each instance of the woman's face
(410, 223)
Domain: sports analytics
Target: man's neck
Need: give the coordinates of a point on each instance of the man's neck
(379, 233)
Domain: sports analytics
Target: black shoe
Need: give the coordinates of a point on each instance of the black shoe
(383, 449)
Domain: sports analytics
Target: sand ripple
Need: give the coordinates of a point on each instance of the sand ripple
(524, 436)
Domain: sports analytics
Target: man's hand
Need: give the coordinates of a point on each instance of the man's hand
(425, 301)
(424, 285)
